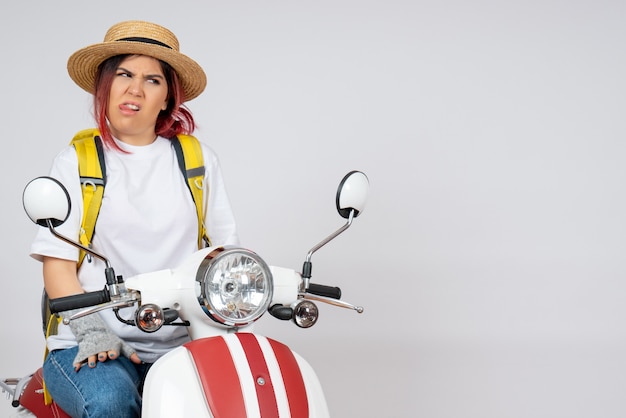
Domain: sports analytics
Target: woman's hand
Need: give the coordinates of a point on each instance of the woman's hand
(108, 355)
(96, 342)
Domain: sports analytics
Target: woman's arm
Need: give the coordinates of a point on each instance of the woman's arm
(60, 277)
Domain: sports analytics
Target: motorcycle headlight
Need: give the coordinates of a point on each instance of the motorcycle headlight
(235, 286)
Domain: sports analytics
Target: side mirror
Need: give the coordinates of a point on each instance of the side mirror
(46, 199)
(352, 194)
(47, 203)
(351, 198)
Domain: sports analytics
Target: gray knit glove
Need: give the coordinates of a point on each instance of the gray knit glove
(93, 337)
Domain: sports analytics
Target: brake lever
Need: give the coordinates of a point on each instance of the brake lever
(331, 301)
(123, 302)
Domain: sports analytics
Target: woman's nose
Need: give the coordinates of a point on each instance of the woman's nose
(135, 88)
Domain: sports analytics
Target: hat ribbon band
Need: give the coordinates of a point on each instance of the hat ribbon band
(145, 41)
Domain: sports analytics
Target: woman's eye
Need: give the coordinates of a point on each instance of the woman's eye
(154, 81)
(123, 74)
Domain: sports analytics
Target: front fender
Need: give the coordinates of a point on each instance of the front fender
(235, 375)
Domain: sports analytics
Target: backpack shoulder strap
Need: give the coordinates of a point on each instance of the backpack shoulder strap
(191, 163)
(92, 171)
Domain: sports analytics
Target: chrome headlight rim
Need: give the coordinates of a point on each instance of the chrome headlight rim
(211, 264)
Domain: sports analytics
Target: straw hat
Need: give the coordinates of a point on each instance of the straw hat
(137, 37)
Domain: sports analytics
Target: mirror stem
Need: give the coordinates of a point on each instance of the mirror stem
(306, 269)
(76, 244)
(113, 282)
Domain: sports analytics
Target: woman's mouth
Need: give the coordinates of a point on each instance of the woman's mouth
(130, 106)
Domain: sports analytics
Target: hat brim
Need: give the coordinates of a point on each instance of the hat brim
(82, 66)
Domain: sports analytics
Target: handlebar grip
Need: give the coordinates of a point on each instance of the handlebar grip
(326, 291)
(82, 300)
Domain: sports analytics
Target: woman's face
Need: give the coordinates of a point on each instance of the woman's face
(138, 93)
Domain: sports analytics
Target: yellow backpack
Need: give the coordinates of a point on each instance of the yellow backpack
(92, 171)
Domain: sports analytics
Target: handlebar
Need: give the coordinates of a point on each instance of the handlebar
(326, 291)
(82, 300)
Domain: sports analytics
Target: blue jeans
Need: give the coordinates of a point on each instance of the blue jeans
(111, 389)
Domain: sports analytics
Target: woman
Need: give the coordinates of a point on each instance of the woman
(147, 219)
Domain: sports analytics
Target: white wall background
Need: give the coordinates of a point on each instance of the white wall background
(490, 259)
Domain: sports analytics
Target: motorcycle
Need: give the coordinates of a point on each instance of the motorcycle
(218, 293)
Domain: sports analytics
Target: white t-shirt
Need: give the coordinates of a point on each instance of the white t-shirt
(147, 222)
